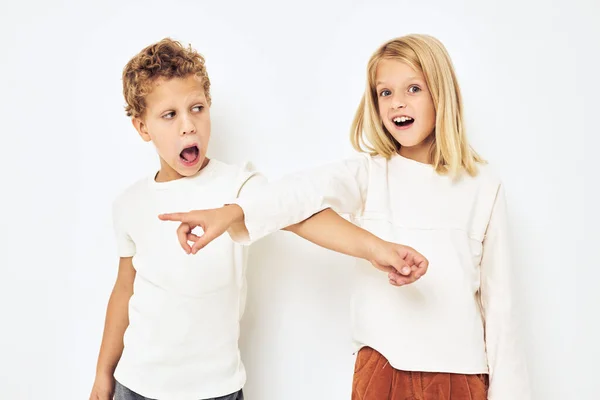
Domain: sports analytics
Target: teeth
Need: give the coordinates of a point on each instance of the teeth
(402, 119)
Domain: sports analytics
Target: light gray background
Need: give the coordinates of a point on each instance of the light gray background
(286, 80)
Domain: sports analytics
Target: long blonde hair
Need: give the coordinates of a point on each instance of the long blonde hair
(450, 152)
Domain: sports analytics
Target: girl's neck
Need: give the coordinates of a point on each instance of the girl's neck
(420, 153)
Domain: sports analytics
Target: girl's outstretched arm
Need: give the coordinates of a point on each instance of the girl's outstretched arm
(327, 229)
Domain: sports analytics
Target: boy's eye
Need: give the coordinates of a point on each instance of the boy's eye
(197, 108)
(414, 89)
(384, 93)
(169, 115)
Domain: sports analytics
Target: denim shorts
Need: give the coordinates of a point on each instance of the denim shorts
(122, 393)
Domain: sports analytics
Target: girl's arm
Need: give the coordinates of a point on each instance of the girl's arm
(329, 230)
(295, 203)
(341, 186)
(326, 228)
(117, 320)
(508, 371)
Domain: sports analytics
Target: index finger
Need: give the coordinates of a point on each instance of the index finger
(179, 217)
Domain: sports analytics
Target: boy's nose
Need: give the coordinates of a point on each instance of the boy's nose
(188, 131)
(187, 127)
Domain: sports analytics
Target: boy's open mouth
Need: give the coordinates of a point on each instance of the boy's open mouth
(403, 121)
(190, 154)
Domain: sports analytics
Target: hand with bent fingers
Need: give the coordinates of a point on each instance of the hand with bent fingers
(403, 264)
(214, 222)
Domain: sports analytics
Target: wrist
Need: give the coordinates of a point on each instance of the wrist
(235, 213)
(104, 373)
(373, 248)
(105, 367)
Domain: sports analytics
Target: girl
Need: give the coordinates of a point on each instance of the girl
(450, 335)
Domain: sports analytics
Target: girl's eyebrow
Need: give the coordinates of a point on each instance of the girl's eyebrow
(412, 78)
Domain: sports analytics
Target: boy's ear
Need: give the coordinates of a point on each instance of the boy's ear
(142, 129)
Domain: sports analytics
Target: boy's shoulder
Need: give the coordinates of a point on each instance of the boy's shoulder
(216, 175)
(219, 172)
(243, 178)
(226, 179)
(221, 168)
(132, 193)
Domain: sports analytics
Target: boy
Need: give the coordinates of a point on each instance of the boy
(172, 322)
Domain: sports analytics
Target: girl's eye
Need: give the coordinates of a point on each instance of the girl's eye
(197, 108)
(384, 93)
(169, 115)
(414, 89)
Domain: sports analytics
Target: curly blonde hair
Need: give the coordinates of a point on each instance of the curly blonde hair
(450, 151)
(165, 59)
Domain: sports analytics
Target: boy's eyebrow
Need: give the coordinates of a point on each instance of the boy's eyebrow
(164, 105)
(198, 93)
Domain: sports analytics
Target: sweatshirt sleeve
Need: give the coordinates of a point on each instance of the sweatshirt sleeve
(506, 361)
(341, 186)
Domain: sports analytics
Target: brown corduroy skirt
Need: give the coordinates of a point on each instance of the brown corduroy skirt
(376, 379)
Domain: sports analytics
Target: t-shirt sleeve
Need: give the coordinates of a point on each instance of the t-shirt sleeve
(125, 245)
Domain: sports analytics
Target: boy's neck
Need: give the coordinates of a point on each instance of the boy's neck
(167, 174)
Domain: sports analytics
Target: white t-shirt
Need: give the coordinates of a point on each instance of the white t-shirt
(458, 317)
(182, 338)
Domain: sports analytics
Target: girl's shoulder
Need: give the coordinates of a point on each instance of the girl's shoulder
(487, 175)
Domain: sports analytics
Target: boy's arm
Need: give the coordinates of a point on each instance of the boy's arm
(329, 230)
(117, 320)
(507, 367)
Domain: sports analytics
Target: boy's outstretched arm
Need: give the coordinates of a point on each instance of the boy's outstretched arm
(326, 229)
(117, 320)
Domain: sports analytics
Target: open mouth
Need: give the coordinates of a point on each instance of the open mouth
(403, 122)
(190, 155)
